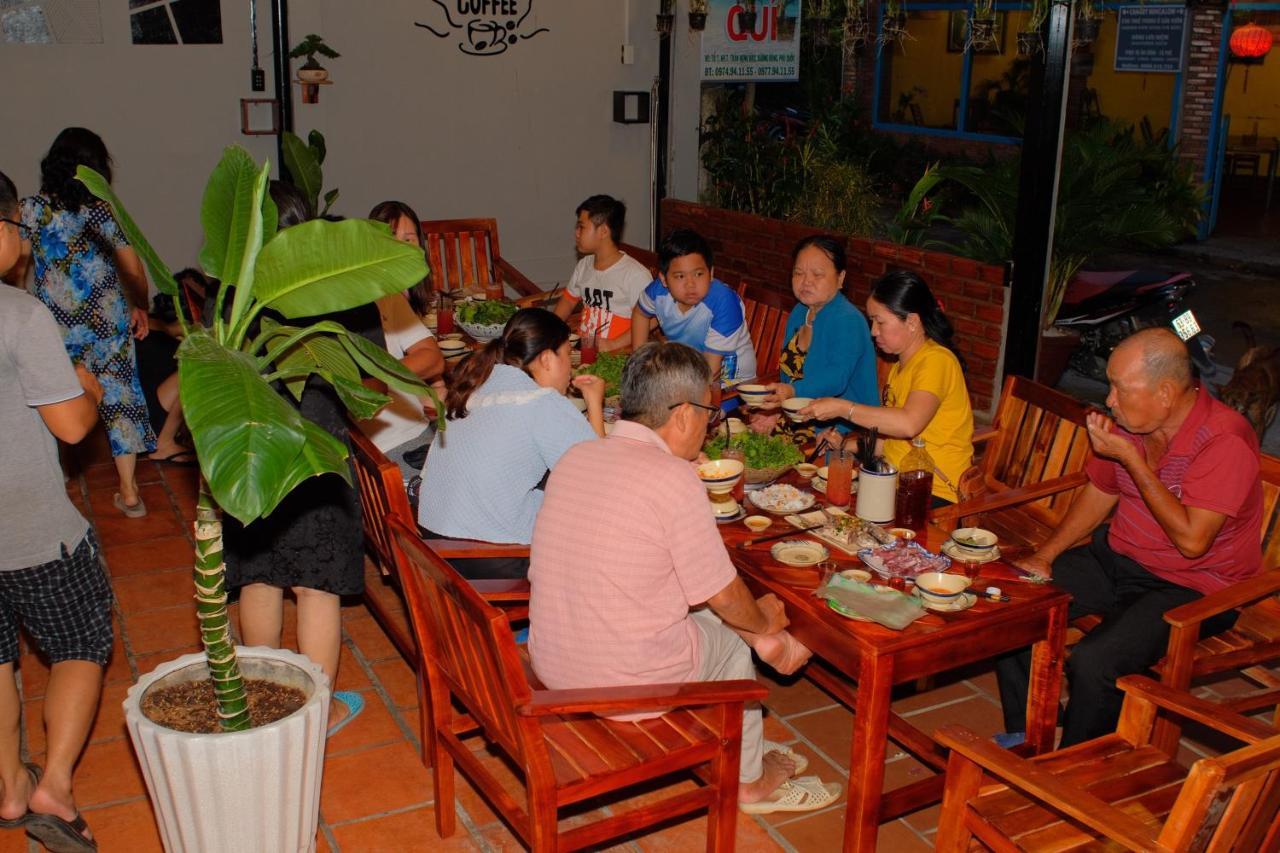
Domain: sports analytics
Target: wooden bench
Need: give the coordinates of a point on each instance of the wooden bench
(565, 753)
(464, 255)
(1031, 470)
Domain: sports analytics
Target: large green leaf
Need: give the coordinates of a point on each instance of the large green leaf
(379, 364)
(304, 167)
(161, 275)
(314, 353)
(320, 454)
(224, 213)
(248, 439)
(254, 235)
(319, 267)
(361, 402)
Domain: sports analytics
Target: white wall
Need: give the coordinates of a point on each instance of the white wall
(522, 137)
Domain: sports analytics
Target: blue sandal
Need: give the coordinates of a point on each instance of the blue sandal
(354, 703)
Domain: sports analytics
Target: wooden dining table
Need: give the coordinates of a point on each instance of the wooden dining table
(860, 662)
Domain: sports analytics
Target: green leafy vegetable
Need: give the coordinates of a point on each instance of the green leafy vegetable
(760, 451)
(608, 366)
(485, 312)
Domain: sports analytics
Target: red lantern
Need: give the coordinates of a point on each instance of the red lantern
(1251, 41)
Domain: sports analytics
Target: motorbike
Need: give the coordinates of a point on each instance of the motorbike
(1107, 307)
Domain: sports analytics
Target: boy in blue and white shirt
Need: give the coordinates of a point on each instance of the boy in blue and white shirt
(695, 309)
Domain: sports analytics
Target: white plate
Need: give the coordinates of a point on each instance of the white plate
(762, 497)
(799, 552)
(963, 555)
(961, 602)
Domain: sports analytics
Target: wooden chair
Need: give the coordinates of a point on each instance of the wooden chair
(565, 752)
(644, 256)
(1252, 644)
(464, 255)
(1032, 468)
(1119, 791)
(766, 313)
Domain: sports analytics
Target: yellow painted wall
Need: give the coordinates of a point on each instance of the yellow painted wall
(923, 61)
(1128, 95)
(1260, 102)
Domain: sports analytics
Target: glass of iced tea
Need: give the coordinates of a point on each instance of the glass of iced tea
(587, 346)
(840, 465)
(444, 315)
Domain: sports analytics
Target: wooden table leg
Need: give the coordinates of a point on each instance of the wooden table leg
(1046, 683)
(866, 758)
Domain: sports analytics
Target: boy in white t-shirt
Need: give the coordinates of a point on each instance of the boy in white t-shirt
(607, 280)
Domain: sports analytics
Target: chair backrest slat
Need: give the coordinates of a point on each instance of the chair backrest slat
(462, 253)
(1226, 800)
(382, 495)
(464, 640)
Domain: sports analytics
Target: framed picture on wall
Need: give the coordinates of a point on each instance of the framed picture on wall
(958, 33)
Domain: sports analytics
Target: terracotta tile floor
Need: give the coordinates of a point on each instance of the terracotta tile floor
(377, 796)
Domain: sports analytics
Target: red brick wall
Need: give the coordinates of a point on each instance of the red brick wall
(759, 250)
(1196, 121)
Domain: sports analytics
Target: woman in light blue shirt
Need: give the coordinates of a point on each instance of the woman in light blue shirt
(509, 423)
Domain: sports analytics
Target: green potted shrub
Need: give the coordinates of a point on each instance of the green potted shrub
(311, 70)
(246, 787)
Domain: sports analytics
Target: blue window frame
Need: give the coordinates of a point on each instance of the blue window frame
(960, 131)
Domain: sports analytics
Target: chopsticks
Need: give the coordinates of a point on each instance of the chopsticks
(747, 543)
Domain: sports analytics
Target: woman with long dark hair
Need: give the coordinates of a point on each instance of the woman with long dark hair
(93, 282)
(925, 394)
(402, 425)
(828, 351)
(509, 423)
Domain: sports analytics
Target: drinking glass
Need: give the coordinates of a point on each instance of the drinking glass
(740, 487)
(587, 346)
(840, 477)
(444, 315)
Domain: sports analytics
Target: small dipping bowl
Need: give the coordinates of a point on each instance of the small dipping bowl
(806, 470)
(725, 509)
(573, 341)
(940, 587)
(793, 406)
(753, 395)
(720, 475)
(452, 349)
(904, 533)
(757, 523)
(857, 575)
(973, 540)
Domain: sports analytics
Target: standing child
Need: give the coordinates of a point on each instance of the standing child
(694, 308)
(607, 280)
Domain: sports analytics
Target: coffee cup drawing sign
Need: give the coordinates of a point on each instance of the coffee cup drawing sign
(483, 27)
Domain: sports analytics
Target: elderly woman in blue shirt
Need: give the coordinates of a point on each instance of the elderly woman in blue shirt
(509, 423)
(827, 350)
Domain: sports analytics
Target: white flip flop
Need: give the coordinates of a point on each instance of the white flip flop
(800, 761)
(806, 794)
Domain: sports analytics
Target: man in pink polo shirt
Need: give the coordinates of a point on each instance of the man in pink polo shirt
(635, 587)
(1180, 471)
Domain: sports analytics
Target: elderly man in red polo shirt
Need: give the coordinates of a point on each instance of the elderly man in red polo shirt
(634, 586)
(1180, 471)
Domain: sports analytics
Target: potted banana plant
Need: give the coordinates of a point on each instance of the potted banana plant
(249, 786)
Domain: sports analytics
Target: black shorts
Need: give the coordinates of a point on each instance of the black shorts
(65, 605)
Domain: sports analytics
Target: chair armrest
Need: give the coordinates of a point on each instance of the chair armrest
(452, 549)
(984, 434)
(1194, 708)
(640, 697)
(1011, 497)
(502, 589)
(541, 299)
(1027, 777)
(1236, 595)
(518, 280)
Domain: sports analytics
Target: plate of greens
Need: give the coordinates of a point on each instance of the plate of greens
(767, 456)
(484, 319)
(608, 366)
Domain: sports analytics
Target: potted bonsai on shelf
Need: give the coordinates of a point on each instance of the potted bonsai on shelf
(311, 70)
(250, 786)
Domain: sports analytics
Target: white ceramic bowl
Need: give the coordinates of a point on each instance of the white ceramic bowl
(973, 540)
(940, 587)
(857, 575)
(482, 332)
(753, 395)
(451, 349)
(725, 509)
(757, 523)
(903, 533)
(720, 475)
(573, 340)
(806, 470)
(793, 406)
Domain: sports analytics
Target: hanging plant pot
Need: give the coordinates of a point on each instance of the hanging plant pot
(697, 21)
(895, 27)
(857, 32)
(1087, 30)
(1029, 43)
(665, 22)
(982, 32)
(747, 21)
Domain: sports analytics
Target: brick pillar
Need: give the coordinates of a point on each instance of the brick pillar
(1196, 124)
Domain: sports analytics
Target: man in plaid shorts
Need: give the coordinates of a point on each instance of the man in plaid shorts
(51, 580)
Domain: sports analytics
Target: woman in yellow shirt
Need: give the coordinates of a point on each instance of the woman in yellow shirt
(925, 393)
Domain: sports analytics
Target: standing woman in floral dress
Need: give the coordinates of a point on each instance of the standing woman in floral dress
(83, 267)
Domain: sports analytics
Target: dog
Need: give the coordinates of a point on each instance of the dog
(1254, 389)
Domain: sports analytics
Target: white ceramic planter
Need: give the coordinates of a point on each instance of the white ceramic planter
(256, 791)
(313, 75)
